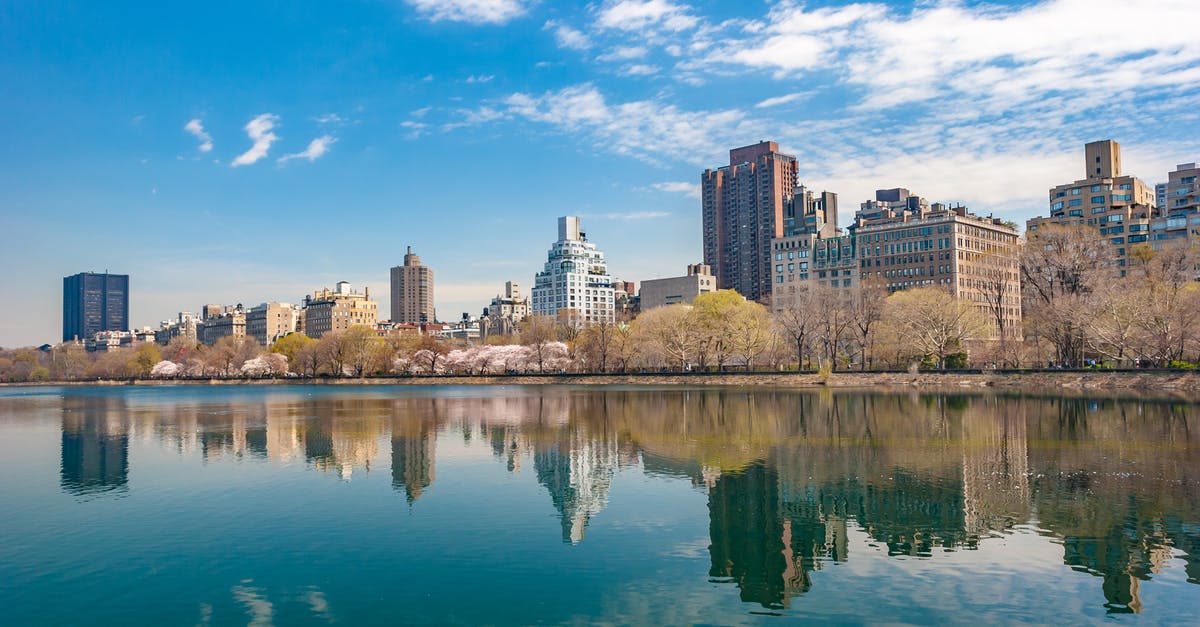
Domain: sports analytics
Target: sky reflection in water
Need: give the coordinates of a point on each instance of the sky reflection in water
(512, 505)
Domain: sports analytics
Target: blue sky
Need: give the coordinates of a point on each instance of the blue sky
(243, 152)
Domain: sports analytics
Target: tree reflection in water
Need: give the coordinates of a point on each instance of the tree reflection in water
(788, 474)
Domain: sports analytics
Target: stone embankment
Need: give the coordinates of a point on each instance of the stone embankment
(1185, 384)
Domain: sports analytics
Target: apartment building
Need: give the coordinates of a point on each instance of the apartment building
(268, 322)
(412, 291)
(574, 279)
(335, 311)
(1179, 206)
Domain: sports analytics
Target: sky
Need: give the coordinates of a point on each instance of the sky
(242, 152)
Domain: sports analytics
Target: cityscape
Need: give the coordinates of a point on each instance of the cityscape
(767, 238)
(624, 312)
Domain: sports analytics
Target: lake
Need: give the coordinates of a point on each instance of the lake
(624, 505)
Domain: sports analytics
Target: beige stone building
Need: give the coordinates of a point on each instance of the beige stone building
(270, 321)
(1178, 206)
(232, 321)
(412, 291)
(677, 290)
(337, 310)
(505, 312)
(1120, 206)
(976, 258)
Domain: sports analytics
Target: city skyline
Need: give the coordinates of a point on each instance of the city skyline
(219, 175)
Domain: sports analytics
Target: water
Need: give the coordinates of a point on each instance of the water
(517, 505)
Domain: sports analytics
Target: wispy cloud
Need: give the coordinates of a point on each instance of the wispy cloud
(259, 129)
(316, 149)
(415, 129)
(470, 11)
(481, 78)
(679, 187)
(474, 117)
(639, 69)
(784, 99)
(329, 118)
(567, 37)
(640, 15)
(196, 128)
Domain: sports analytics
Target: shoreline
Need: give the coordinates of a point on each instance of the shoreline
(1184, 384)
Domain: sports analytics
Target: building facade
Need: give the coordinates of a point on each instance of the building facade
(186, 325)
(412, 291)
(1120, 206)
(1178, 215)
(575, 279)
(678, 290)
(230, 322)
(809, 260)
(335, 311)
(977, 259)
(268, 322)
(93, 303)
(505, 312)
(744, 208)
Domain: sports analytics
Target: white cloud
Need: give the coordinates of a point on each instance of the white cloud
(470, 11)
(679, 187)
(568, 37)
(623, 53)
(784, 99)
(638, 15)
(474, 117)
(420, 113)
(482, 78)
(316, 148)
(639, 69)
(329, 118)
(415, 129)
(645, 129)
(259, 130)
(196, 128)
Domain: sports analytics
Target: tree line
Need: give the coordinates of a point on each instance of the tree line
(1079, 309)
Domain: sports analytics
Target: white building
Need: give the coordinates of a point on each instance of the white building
(575, 279)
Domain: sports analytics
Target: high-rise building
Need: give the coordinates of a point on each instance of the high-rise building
(575, 279)
(412, 291)
(1120, 206)
(328, 311)
(93, 303)
(744, 207)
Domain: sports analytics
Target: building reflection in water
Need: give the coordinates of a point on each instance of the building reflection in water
(788, 475)
(95, 446)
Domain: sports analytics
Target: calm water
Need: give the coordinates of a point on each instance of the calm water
(298, 505)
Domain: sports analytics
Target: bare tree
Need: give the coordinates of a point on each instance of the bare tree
(934, 320)
(1059, 267)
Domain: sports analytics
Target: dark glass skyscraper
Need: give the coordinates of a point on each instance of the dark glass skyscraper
(93, 303)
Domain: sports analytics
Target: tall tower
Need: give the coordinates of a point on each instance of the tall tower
(575, 278)
(744, 206)
(412, 291)
(93, 303)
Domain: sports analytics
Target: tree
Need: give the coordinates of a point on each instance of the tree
(359, 349)
(144, 359)
(866, 309)
(834, 321)
(750, 331)
(596, 344)
(1060, 265)
(290, 346)
(934, 321)
(711, 314)
(670, 331)
(538, 333)
(798, 321)
(429, 353)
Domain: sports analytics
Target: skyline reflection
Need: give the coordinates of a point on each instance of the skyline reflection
(787, 476)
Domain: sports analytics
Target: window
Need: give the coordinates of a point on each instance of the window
(1076, 191)
(1056, 206)
(1075, 202)
(1097, 200)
